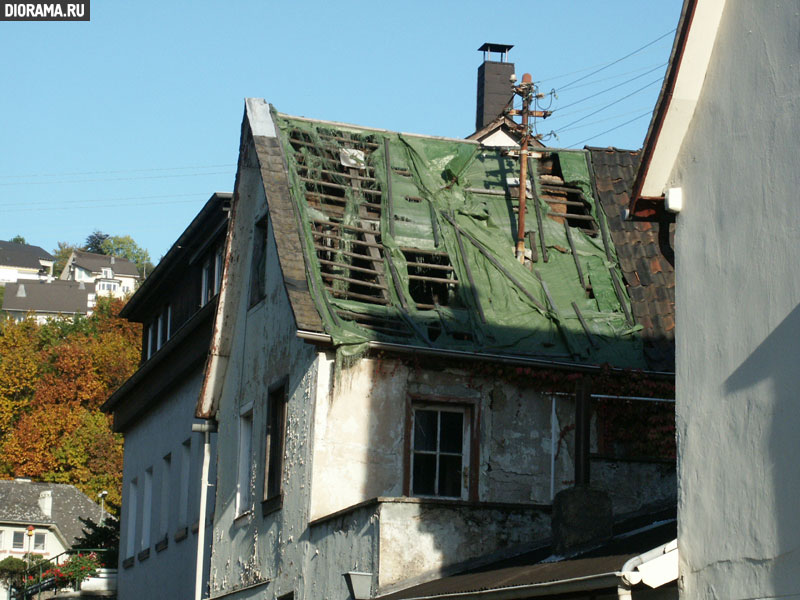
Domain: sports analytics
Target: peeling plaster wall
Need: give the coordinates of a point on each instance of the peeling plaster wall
(263, 553)
(417, 539)
(738, 313)
(171, 570)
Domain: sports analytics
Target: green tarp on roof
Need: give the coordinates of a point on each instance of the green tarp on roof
(411, 239)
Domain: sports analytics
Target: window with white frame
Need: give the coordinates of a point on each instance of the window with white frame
(39, 542)
(186, 463)
(245, 470)
(147, 508)
(163, 512)
(440, 451)
(133, 501)
(107, 273)
(18, 543)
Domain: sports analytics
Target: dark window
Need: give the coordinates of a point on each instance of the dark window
(258, 267)
(19, 540)
(276, 428)
(439, 455)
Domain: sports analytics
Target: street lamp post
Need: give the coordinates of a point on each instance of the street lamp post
(102, 495)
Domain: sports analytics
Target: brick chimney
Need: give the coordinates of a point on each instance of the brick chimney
(494, 84)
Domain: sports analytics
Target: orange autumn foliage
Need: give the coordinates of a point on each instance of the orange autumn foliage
(53, 380)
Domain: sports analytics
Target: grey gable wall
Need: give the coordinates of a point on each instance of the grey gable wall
(738, 313)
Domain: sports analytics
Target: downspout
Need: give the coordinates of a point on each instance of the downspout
(206, 428)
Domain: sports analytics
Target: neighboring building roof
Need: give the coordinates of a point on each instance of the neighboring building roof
(597, 568)
(410, 239)
(19, 504)
(505, 124)
(25, 256)
(96, 262)
(645, 254)
(56, 296)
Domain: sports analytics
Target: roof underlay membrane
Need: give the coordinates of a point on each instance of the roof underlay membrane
(411, 240)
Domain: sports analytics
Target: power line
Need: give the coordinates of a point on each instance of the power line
(647, 45)
(610, 130)
(610, 104)
(610, 77)
(116, 179)
(114, 172)
(95, 206)
(617, 116)
(613, 87)
(85, 200)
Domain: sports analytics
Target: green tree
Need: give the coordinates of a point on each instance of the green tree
(94, 242)
(62, 254)
(18, 239)
(125, 247)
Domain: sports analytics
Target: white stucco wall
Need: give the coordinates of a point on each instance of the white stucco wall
(163, 431)
(738, 313)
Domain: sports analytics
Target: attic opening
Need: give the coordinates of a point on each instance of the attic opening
(564, 199)
(350, 260)
(334, 169)
(431, 278)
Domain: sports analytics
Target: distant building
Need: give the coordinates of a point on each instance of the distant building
(111, 274)
(52, 299)
(23, 261)
(154, 409)
(53, 510)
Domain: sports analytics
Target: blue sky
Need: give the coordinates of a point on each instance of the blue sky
(129, 122)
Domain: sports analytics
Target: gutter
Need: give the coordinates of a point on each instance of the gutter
(322, 338)
(654, 568)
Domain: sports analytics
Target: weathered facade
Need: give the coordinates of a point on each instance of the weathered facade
(154, 409)
(372, 424)
(732, 95)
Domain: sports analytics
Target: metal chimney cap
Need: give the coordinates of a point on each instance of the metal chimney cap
(489, 47)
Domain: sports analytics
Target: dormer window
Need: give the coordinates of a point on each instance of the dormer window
(107, 273)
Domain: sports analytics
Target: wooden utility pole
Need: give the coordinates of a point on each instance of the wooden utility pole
(526, 91)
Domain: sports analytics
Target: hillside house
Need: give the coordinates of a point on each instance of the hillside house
(46, 299)
(112, 275)
(721, 151)
(24, 261)
(391, 385)
(154, 409)
(41, 518)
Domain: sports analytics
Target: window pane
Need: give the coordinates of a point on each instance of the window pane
(425, 430)
(452, 432)
(38, 541)
(424, 475)
(19, 539)
(450, 476)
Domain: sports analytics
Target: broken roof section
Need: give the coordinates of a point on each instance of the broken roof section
(410, 239)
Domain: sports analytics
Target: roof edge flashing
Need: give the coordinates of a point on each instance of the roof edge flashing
(679, 96)
(259, 117)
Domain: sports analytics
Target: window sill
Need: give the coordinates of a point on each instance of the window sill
(181, 534)
(143, 555)
(243, 517)
(162, 545)
(271, 505)
(128, 562)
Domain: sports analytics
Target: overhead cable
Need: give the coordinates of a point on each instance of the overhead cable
(647, 45)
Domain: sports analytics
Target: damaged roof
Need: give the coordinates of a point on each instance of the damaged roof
(410, 239)
(644, 249)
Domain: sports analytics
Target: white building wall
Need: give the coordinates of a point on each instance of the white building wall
(163, 431)
(738, 313)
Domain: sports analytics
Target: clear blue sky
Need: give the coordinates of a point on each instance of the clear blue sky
(129, 122)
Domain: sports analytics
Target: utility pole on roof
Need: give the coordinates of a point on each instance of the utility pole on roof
(527, 91)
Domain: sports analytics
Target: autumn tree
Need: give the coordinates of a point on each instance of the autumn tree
(53, 380)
